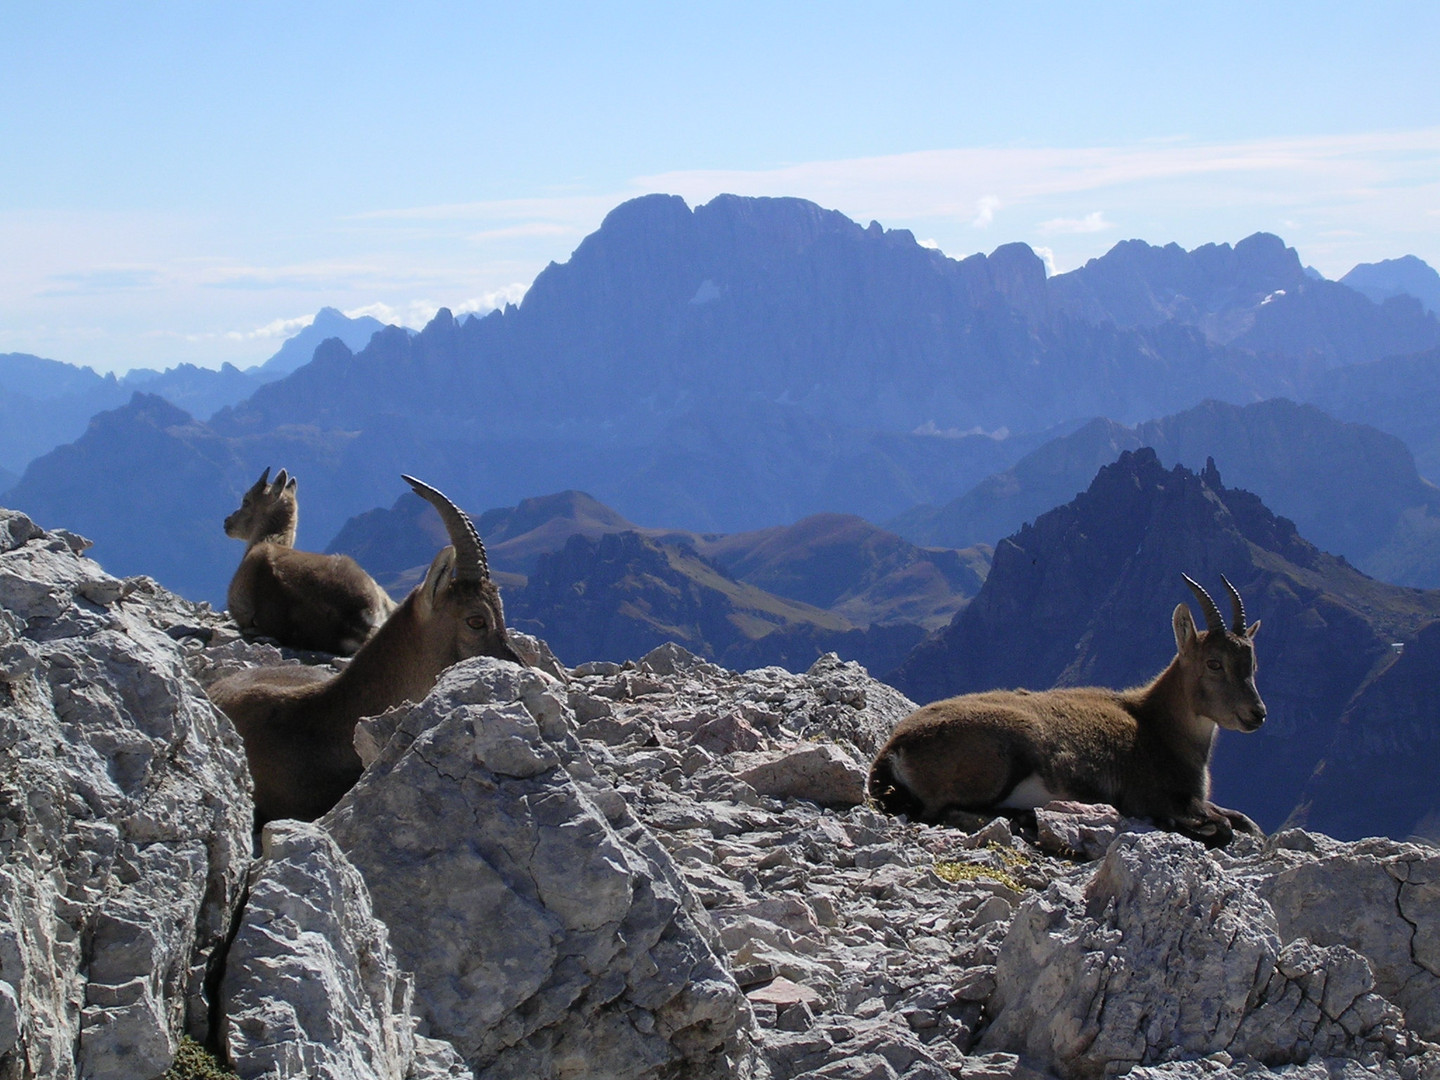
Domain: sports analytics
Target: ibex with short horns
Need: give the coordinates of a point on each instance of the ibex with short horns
(1145, 751)
(299, 598)
(298, 724)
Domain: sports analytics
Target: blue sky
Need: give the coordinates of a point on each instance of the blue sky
(192, 181)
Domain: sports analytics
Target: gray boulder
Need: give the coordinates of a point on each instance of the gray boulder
(1377, 897)
(311, 986)
(548, 933)
(1159, 955)
(125, 825)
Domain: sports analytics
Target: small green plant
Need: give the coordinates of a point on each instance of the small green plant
(194, 1062)
(956, 872)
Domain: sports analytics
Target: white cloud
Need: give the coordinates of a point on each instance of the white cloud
(1092, 222)
(279, 328)
(416, 313)
(1047, 256)
(510, 294)
(985, 208)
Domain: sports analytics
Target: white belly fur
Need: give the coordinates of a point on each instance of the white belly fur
(1028, 794)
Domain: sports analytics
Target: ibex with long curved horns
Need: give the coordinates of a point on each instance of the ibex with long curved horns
(299, 598)
(1145, 751)
(298, 724)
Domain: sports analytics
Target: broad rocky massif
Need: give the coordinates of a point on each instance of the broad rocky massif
(654, 869)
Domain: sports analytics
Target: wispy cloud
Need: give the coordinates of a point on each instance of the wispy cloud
(528, 231)
(416, 313)
(109, 279)
(966, 185)
(1093, 222)
(279, 328)
(322, 274)
(985, 208)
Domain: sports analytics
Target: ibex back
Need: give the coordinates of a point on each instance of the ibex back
(298, 724)
(299, 598)
(1145, 751)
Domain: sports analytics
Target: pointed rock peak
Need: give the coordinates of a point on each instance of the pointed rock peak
(1267, 250)
(1016, 254)
(154, 409)
(442, 322)
(1211, 475)
(332, 350)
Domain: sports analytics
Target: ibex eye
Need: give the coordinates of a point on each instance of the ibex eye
(476, 622)
(1214, 665)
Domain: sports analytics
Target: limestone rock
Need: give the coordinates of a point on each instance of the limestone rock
(581, 874)
(311, 985)
(821, 772)
(1082, 829)
(1159, 954)
(1377, 897)
(547, 936)
(124, 817)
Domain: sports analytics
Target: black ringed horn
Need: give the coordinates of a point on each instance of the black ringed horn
(1238, 606)
(470, 561)
(1213, 618)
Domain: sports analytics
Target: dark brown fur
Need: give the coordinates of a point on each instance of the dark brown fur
(298, 725)
(299, 598)
(1145, 751)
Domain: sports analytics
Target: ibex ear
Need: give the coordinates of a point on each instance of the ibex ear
(1254, 628)
(280, 479)
(435, 578)
(294, 480)
(1185, 635)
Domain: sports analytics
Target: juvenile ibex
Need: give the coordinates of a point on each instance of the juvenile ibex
(298, 724)
(1145, 751)
(299, 598)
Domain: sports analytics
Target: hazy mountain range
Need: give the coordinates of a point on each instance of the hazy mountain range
(44, 403)
(758, 380)
(1348, 487)
(598, 587)
(749, 363)
(1405, 276)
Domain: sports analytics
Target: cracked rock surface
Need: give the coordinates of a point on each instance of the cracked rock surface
(124, 818)
(653, 869)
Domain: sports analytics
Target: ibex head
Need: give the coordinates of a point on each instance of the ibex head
(458, 604)
(1219, 662)
(269, 509)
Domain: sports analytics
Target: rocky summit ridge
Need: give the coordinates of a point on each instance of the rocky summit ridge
(660, 868)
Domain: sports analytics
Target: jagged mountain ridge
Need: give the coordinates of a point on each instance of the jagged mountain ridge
(781, 301)
(1084, 595)
(837, 562)
(1255, 296)
(748, 362)
(605, 598)
(1350, 488)
(599, 587)
(47, 403)
(1405, 276)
